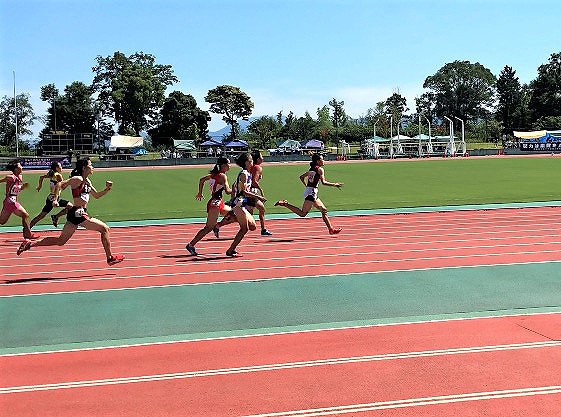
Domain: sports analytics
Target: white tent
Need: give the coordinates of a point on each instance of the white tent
(126, 141)
(529, 135)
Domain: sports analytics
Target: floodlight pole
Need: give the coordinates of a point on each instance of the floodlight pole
(16, 116)
(463, 135)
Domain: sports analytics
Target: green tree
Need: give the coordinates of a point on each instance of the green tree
(180, 118)
(25, 119)
(76, 111)
(461, 89)
(50, 94)
(324, 124)
(546, 89)
(338, 116)
(263, 131)
(131, 89)
(232, 103)
(510, 100)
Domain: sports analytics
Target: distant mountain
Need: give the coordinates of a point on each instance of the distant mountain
(218, 134)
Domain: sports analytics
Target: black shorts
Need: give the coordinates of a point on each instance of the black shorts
(77, 215)
(49, 204)
(310, 198)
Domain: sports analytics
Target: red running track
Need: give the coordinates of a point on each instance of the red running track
(305, 371)
(483, 367)
(156, 255)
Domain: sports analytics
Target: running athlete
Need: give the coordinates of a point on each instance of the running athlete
(256, 173)
(218, 182)
(314, 175)
(77, 215)
(14, 185)
(55, 178)
(240, 193)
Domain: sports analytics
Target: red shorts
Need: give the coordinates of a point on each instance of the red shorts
(11, 204)
(215, 203)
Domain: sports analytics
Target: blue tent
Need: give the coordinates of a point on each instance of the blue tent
(139, 151)
(236, 144)
(211, 142)
(312, 144)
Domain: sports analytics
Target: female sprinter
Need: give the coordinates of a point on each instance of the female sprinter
(77, 215)
(314, 175)
(256, 173)
(55, 178)
(14, 185)
(241, 193)
(218, 182)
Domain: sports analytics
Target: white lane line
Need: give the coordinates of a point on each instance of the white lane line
(277, 366)
(416, 402)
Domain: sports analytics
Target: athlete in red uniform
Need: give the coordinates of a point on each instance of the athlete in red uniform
(82, 188)
(256, 173)
(14, 185)
(218, 182)
(314, 176)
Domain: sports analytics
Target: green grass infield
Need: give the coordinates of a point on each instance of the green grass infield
(154, 193)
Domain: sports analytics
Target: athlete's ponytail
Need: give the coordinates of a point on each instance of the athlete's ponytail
(53, 169)
(80, 164)
(12, 165)
(315, 159)
(221, 161)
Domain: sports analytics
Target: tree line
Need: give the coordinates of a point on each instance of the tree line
(130, 92)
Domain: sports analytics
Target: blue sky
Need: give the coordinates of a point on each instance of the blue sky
(290, 55)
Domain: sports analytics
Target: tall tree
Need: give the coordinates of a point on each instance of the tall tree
(131, 89)
(462, 89)
(230, 101)
(76, 111)
(180, 118)
(546, 89)
(509, 95)
(50, 94)
(263, 131)
(25, 118)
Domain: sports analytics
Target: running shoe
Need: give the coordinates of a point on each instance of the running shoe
(191, 249)
(265, 232)
(233, 254)
(216, 231)
(54, 219)
(335, 231)
(281, 203)
(115, 259)
(25, 245)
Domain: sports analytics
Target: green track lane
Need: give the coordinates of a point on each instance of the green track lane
(121, 317)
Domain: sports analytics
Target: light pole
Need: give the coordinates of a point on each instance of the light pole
(463, 135)
(16, 116)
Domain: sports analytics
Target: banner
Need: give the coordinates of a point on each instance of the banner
(44, 162)
(540, 146)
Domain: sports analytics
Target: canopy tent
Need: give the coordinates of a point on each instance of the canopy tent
(377, 139)
(529, 135)
(422, 137)
(139, 151)
(119, 141)
(289, 144)
(236, 144)
(184, 145)
(312, 144)
(211, 142)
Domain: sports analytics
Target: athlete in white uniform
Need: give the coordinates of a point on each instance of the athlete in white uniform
(311, 180)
